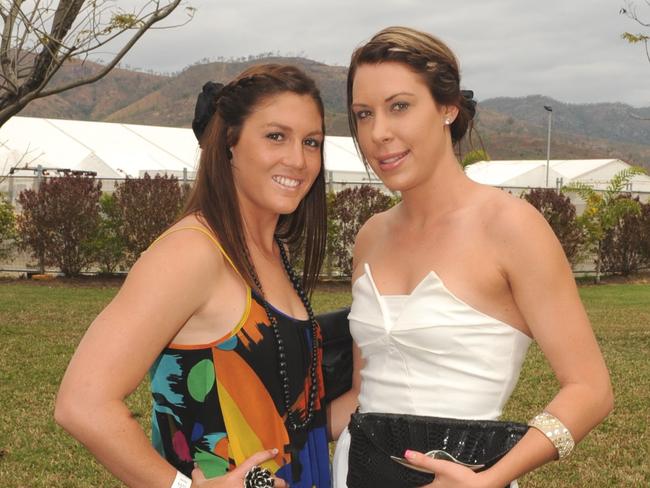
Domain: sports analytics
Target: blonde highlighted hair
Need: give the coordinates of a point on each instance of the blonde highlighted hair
(427, 56)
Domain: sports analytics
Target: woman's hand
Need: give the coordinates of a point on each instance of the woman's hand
(235, 478)
(448, 474)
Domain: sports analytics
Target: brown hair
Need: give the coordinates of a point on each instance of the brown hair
(214, 195)
(427, 56)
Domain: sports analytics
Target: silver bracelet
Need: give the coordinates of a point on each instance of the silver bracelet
(555, 431)
(181, 481)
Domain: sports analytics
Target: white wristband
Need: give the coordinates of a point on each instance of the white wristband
(181, 481)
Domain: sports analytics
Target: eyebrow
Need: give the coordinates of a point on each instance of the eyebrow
(286, 128)
(387, 99)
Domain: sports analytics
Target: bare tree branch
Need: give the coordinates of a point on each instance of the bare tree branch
(21, 163)
(40, 36)
(118, 57)
(5, 43)
(630, 10)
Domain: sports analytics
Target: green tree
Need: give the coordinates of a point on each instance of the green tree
(7, 228)
(108, 244)
(604, 210)
(474, 157)
(39, 38)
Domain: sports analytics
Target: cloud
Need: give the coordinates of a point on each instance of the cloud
(570, 50)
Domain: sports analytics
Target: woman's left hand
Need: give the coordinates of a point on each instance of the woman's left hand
(448, 474)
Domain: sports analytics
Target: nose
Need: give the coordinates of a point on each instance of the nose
(380, 132)
(296, 158)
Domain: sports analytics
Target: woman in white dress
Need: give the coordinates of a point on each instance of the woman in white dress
(451, 285)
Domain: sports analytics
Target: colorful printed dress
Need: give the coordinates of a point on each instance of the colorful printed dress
(217, 404)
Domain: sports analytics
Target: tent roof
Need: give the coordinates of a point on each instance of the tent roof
(500, 173)
(576, 168)
(117, 150)
(341, 155)
(124, 149)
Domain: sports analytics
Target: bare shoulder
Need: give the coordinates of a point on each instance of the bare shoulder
(520, 234)
(189, 235)
(511, 218)
(186, 255)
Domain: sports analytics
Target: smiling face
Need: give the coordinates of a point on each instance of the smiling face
(401, 130)
(278, 154)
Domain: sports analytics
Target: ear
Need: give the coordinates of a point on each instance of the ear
(449, 112)
(230, 146)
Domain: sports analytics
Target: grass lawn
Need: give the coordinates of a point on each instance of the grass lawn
(41, 324)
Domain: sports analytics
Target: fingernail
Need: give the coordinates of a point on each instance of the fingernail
(274, 451)
(196, 465)
(409, 454)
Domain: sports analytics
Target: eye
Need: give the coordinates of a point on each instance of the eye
(311, 142)
(275, 136)
(362, 114)
(399, 106)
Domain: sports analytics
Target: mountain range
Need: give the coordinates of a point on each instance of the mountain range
(507, 128)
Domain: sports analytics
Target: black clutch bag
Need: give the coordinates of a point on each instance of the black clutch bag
(337, 352)
(375, 437)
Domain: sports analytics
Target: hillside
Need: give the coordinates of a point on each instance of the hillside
(173, 103)
(510, 128)
(613, 121)
(507, 137)
(98, 100)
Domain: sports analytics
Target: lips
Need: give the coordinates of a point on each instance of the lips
(286, 182)
(390, 161)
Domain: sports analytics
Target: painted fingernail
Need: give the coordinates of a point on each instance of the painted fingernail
(409, 454)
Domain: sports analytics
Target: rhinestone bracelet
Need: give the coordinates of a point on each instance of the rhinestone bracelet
(555, 431)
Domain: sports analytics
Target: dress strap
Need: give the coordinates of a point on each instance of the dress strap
(210, 235)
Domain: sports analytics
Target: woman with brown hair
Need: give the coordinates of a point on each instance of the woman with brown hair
(450, 286)
(215, 313)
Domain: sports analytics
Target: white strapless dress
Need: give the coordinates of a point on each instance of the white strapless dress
(429, 353)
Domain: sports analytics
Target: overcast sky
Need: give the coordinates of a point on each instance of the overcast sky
(570, 50)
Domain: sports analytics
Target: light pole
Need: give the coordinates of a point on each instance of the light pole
(549, 109)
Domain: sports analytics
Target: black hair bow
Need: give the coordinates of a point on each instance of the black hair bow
(206, 105)
(470, 103)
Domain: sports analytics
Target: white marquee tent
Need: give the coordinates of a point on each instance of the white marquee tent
(532, 173)
(115, 151)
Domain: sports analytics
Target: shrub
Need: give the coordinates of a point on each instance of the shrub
(560, 213)
(146, 207)
(348, 211)
(7, 228)
(604, 209)
(58, 221)
(645, 233)
(623, 245)
(107, 242)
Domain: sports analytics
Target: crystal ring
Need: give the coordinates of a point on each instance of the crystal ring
(257, 477)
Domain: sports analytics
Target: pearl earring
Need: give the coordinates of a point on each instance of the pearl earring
(447, 121)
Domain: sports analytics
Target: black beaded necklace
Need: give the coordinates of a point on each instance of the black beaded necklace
(293, 418)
